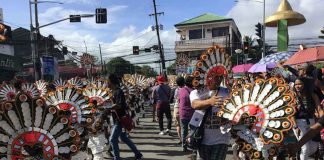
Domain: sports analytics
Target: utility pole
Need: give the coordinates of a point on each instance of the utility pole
(263, 30)
(32, 40)
(159, 40)
(36, 41)
(102, 67)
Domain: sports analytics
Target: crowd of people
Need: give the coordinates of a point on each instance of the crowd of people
(200, 107)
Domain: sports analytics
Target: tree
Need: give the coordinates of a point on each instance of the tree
(171, 69)
(119, 66)
(147, 71)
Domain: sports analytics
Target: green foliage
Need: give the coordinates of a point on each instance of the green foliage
(171, 69)
(120, 66)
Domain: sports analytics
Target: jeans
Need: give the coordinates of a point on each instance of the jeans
(310, 147)
(167, 112)
(184, 123)
(116, 132)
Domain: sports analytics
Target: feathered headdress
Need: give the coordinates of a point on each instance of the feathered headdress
(214, 62)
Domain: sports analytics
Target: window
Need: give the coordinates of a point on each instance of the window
(221, 31)
(195, 34)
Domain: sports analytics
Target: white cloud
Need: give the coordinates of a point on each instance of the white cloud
(79, 1)
(247, 14)
(76, 34)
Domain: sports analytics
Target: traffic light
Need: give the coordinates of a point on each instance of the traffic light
(322, 31)
(101, 15)
(75, 18)
(258, 29)
(136, 50)
(147, 49)
(5, 33)
(65, 50)
(246, 47)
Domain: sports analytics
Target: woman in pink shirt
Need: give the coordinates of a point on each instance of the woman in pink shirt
(185, 109)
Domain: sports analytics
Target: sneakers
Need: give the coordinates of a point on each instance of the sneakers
(167, 131)
(139, 157)
(162, 133)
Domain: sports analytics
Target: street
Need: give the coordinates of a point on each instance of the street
(152, 145)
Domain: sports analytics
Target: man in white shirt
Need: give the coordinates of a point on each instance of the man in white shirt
(214, 143)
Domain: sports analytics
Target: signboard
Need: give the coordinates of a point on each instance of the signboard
(49, 68)
(7, 49)
(10, 63)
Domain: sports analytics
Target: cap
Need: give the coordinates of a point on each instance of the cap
(160, 79)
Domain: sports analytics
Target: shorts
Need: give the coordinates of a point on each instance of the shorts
(176, 117)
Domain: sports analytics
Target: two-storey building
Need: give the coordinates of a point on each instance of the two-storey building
(202, 32)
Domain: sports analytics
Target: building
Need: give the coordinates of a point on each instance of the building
(47, 46)
(199, 33)
(9, 63)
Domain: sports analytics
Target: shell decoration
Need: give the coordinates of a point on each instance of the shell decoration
(75, 82)
(213, 63)
(59, 83)
(28, 129)
(41, 86)
(7, 93)
(30, 89)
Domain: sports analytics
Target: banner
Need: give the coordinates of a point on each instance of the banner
(49, 68)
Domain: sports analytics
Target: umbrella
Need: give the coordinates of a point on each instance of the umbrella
(276, 57)
(307, 55)
(262, 67)
(242, 68)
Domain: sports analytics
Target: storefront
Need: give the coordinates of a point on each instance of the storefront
(9, 66)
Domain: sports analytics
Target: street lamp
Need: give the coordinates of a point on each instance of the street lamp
(46, 2)
(238, 52)
(264, 27)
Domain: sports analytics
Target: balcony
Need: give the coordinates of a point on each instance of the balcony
(199, 44)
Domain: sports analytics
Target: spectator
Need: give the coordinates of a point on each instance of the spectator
(180, 83)
(308, 106)
(185, 109)
(214, 143)
(153, 101)
(119, 109)
(162, 94)
(311, 133)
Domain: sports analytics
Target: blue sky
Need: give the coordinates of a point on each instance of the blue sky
(129, 23)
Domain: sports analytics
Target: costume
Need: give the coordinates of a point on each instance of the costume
(261, 116)
(212, 69)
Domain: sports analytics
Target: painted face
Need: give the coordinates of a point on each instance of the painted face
(215, 77)
(299, 85)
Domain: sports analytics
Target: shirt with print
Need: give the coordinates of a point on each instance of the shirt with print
(118, 98)
(185, 109)
(212, 133)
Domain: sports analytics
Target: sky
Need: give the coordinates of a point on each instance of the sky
(129, 22)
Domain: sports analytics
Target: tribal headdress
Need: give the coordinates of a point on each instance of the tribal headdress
(30, 89)
(7, 93)
(71, 102)
(28, 129)
(41, 86)
(214, 64)
(265, 108)
(75, 82)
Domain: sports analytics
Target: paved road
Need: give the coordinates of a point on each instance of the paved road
(152, 145)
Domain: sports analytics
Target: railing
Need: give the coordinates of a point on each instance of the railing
(197, 44)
